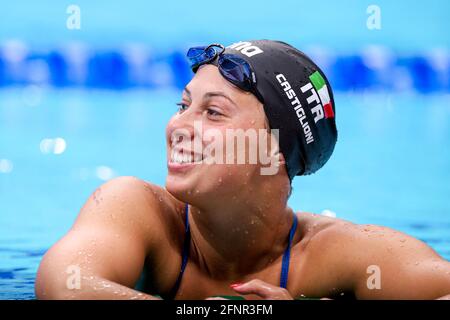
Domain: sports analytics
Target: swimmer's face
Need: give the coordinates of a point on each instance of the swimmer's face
(212, 107)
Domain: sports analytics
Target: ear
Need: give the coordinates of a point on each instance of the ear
(275, 153)
(282, 160)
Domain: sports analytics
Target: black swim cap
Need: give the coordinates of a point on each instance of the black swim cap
(297, 100)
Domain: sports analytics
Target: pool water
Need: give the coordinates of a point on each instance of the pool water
(391, 165)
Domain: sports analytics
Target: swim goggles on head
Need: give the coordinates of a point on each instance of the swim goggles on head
(233, 68)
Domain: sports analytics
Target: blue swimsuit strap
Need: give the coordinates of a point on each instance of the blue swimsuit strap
(287, 255)
(186, 246)
(185, 254)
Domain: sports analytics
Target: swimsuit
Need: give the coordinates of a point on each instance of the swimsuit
(185, 255)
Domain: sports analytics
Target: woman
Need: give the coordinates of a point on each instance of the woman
(222, 225)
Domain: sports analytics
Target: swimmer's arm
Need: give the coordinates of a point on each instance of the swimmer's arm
(103, 254)
(407, 267)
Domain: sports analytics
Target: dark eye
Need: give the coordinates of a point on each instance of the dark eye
(213, 113)
(181, 107)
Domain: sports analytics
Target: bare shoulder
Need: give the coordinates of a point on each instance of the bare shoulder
(316, 228)
(341, 255)
(123, 223)
(344, 237)
(133, 203)
(324, 239)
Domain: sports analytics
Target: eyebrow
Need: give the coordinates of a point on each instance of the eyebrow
(187, 91)
(213, 94)
(210, 95)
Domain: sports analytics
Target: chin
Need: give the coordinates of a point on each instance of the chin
(178, 186)
(190, 190)
(206, 184)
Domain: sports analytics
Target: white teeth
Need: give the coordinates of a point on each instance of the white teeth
(183, 157)
(198, 158)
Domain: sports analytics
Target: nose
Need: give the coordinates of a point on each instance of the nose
(181, 127)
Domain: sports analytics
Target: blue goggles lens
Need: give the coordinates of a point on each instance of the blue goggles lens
(202, 55)
(233, 68)
(237, 71)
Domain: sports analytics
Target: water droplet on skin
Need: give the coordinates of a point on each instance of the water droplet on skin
(402, 240)
(160, 199)
(416, 263)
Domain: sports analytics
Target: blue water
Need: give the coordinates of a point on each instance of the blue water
(391, 165)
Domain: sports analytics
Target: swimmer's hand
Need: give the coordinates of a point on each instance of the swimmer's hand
(262, 289)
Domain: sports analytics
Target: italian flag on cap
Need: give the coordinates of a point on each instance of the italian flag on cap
(321, 88)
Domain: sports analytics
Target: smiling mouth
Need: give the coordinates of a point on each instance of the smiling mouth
(180, 156)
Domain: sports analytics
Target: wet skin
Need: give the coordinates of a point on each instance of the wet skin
(239, 228)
